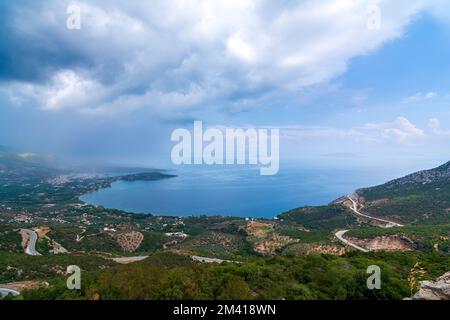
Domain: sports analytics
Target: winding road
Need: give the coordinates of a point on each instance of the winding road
(340, 236)
(31, 245)
(354, 208)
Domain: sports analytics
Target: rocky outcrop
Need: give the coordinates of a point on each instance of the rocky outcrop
(434, 290)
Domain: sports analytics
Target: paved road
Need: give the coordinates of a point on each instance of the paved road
(340, 236)
(354, 208)
(210, 260)
(126, 260)
(31, 247)
(4, 292)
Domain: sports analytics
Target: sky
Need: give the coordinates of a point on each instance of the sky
(345, 81)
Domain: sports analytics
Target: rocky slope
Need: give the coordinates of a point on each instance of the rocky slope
(434, 290)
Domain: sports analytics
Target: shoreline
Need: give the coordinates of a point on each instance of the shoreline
(197, 215)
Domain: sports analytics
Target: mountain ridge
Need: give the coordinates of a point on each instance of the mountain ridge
(427, 176)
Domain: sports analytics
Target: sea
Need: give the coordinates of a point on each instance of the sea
(238, 191)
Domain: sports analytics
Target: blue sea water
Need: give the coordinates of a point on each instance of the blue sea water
(237, 191)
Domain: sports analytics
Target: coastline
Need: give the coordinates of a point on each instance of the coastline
(144, 176)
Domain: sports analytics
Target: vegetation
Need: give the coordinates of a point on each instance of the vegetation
(315, 224)
(145, 176)
(410, 202)
(169, 276)
(427, 237)
(10, 239)
(217, 244)
(321, 217)
(93, 240)
(21, 267)
(280, 258)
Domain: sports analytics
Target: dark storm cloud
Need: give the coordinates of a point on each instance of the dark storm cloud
(136, 69)
(179, 57)
(33, 54)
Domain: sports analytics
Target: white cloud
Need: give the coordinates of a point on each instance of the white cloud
(240, 48)
(400, 131)
(435, 127)
(418, 97)
(176, 56)
(66, 89)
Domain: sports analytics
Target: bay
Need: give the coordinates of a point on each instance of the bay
(241, 192)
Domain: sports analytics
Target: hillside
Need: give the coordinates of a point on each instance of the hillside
(23, 166)
(295, 256)
(169, 276)
(421, 197)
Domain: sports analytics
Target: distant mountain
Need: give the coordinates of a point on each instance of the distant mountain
(9, 160)
(25, 166)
